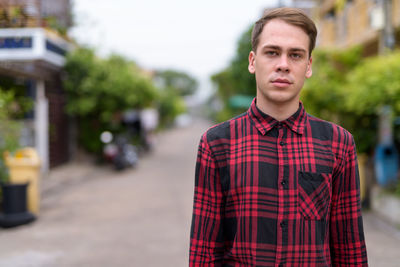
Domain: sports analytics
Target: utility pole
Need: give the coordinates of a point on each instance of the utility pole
(386, 159)
(388, 32)
(387, 45)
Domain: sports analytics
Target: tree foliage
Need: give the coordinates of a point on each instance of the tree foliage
(99, 90)
(11, 108)
(174, 85)
(182, 83)
(170, 105)
(326, 94)
(102, 87)
(323, 92)
(9, 128)
(374, 83)
(235, 79)
(243, 81)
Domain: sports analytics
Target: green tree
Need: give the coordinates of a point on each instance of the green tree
(374, 83)
(9, 127)
(174, 85)
(170, 105)
(14, 95)
(235, 79)
(99, 90)
(182, 83)
(225, 90)
(323, 92)
(244, 82)
(326, 94)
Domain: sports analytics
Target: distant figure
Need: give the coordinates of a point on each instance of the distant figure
(150, 119)
(276, 186)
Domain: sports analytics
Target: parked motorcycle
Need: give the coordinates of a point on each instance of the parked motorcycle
(119, 152)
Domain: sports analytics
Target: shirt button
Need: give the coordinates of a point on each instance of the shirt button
(281, 265)
(283, 224)
(279, 125)
(282, 143)
(283, 182)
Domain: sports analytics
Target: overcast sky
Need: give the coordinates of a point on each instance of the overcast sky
(195, 36)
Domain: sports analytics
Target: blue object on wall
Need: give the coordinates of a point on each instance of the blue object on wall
(386, 164)
(15, 42)
(55, 48)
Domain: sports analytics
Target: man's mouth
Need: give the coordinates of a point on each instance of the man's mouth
(281, 82)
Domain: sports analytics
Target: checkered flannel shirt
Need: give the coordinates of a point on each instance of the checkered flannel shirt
(270, 193)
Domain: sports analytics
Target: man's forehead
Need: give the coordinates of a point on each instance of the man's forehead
(282, 34)
(282, 23)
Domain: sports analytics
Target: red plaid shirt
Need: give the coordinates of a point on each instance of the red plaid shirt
(271, 193)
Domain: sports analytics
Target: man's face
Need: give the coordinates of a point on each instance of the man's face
(281, 63)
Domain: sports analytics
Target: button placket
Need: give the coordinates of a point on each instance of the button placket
(283, 186)
(282, 144)
(281, 193)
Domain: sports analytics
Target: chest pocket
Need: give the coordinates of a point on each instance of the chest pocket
(314, 195)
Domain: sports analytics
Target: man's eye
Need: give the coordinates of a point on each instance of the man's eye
(296, 56)
(272, 53)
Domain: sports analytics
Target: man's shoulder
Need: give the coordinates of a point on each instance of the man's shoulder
(222, 131)
(329, 130)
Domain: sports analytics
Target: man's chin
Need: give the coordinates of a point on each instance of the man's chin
(280, 98)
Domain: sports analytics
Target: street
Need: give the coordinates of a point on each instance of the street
(139, 217)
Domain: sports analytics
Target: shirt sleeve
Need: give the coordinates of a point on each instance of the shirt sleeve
(346, 227)
(206, 237)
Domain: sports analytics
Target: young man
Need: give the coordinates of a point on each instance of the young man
(276, 186)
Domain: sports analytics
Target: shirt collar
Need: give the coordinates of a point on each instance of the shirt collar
(264, 123)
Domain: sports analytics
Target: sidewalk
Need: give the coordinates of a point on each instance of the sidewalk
(382, 240)
(71, 174)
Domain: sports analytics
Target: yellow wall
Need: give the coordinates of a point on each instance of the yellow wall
(350, 26)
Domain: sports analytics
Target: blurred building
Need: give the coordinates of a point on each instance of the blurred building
(306, 5)
(345, 23)
(33, 45)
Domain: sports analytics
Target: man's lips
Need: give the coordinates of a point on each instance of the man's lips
(281, 82)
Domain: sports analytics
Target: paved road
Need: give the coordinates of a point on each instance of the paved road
(139, 217)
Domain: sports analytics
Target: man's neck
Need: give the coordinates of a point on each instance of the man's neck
(281, 111)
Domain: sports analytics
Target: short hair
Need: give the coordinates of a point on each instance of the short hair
(292, 16)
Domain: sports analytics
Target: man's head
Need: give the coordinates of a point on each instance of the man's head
(292, 16)
(281, 58)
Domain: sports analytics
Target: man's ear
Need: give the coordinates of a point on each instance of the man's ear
(309, 68)
(252, 59)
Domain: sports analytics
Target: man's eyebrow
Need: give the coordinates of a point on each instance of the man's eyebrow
(297, 50)
(276, 47)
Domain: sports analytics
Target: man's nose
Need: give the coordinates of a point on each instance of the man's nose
(283, 64)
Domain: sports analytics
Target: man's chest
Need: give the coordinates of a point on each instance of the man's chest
(280, 170)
